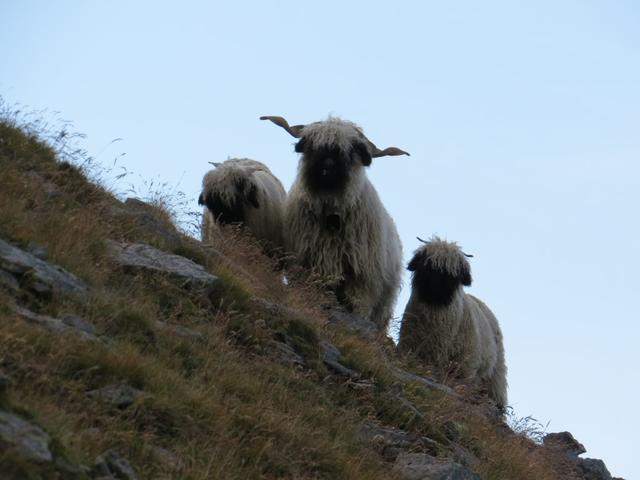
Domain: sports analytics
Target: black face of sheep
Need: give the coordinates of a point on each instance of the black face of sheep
(434, 284)
(231, 210)
(328, 169)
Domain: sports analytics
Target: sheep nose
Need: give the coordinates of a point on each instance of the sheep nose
(328, 162)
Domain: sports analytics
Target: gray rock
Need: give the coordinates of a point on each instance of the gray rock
(75, 326)
(275, 309)
(112, 465)
(77, 323)
(37, 275)
(166, 459)
(287, 353)
(142, 257)
(37, 251)
(9, 281)
(421, 466)
(119, 395)
(353, 322)
(463, 456)
(180, 331)
(392, 441)
(592, 469)
(405, 376)
(331, 357)
(565, 442)
(24, 438)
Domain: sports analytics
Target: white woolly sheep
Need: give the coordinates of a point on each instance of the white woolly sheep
(446, 327)
(335, 223)
(243, 191)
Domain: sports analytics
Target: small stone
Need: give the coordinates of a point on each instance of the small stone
(405, 376)
(112, 465)
(119, 395)
(26, 439)
(420, 466)
(331, 357)
(9, 281)
(287, 353)
(56, 325)
(180, 331)
(353, 322)
(78, 323)
(37, 250)
(393, 441)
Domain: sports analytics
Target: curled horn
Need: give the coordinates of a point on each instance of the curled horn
(421, 240)
(294, 131)
(215, 164)
(390, 151)
(467, 255)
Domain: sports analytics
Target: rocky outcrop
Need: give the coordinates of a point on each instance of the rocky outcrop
(585, 468)
(140, 257)
(21, 269)
(67, 324)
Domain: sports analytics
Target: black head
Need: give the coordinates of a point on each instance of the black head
(433, 284)
(231, 210)
(329, 168)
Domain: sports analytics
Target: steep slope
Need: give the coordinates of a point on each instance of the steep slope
(129, 350)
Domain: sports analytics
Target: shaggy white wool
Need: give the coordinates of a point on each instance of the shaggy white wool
(365, 258)
(464, 333)
(333, 132)
(443, 255)
(264, 222)
(223, 179)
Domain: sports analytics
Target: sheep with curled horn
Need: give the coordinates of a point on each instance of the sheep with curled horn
(335, 223)
(243, 191)
(444, 326)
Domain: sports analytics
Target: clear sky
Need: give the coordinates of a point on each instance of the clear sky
(522, 121)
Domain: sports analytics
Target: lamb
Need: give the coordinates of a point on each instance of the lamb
(244, 191)
(444, 326)
(335, 223)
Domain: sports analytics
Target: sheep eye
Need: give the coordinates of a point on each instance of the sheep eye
(299, 148)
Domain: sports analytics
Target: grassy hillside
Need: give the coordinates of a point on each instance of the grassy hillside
(218, 396)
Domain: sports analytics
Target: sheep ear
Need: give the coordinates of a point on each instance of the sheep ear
(363, 153)
(200, 200)
(415, 262)
(465, 278)
(294, 131)
(252, 197)
(300, 146)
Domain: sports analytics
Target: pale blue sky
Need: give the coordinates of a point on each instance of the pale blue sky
(522, 121)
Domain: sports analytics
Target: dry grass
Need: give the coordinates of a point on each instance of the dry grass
(224, 407)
